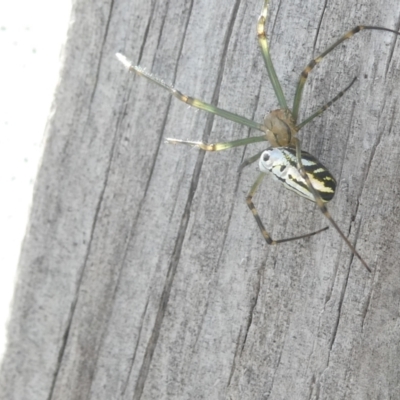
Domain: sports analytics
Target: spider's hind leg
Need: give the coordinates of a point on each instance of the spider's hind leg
(267, 237)
(321, 204)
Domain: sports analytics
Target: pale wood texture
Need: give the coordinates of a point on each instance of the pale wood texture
(143, 274)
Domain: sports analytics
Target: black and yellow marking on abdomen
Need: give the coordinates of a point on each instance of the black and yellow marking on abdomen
(320, 177)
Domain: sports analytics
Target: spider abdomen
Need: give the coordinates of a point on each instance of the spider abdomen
(282, 163)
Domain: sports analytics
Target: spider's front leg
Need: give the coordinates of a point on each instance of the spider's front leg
(192, 101)
(321, 204)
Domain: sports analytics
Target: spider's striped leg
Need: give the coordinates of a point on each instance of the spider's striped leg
(267, 237)
(321, 204)
(249, 161)
(263, 42)
(315, 61)
(324, 107)
(187, 99)
(219, 146)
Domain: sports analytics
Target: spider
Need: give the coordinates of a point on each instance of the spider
(296, 169)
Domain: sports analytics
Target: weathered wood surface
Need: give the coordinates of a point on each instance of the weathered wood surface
(143, 274)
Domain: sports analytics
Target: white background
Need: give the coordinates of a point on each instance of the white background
(32, 34)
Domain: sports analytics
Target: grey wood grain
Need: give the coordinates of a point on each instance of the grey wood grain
(143, 275)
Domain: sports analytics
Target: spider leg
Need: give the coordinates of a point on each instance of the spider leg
(249, 161)
(219, 146)
(267, 237)
(190, 100)
(327, 105)
(322, 205)
(315, 61)
(263, 42)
